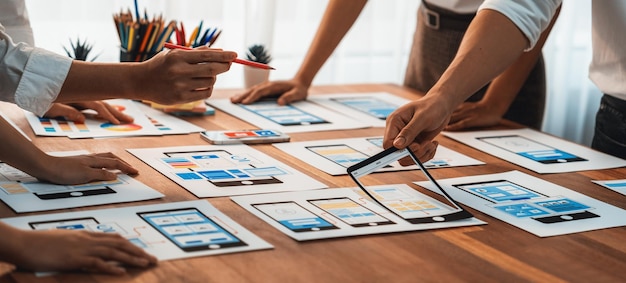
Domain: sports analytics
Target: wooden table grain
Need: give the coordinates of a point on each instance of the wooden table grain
(497, 252)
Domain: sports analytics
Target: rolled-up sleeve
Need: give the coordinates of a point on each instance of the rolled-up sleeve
(531, 17)
(30, 77)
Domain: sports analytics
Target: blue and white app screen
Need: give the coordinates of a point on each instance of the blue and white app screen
(294, 216)
(191, 230)
(531, 149)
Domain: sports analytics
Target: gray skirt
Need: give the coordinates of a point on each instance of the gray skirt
(435, 44)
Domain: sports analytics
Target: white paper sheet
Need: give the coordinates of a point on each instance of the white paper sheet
(166, 123)
(618, 186)
(213, 171)
(371, 107)
(333, 213)
(24, 193)
(304, 116)
(532, 204)
(537, 151)
(336, 155)
(187, 226)
(94, 128)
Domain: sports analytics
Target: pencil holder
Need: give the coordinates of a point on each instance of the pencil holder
(135, 56)
(254, 76)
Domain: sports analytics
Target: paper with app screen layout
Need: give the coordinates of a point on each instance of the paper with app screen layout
(226, 170)
(336, 155)
(537, 151)
(532, 204)
(168, 231)
(24, 193)
(301, 116)
(368, 107)
(338, 212)
(619, 186)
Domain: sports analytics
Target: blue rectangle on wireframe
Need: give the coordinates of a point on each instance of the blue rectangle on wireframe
(215, 174)
(189, 176)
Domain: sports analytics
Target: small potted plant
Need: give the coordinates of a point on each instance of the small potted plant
(253, 76)
(80, 50)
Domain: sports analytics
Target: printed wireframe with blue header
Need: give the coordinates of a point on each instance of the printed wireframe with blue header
(427, 208)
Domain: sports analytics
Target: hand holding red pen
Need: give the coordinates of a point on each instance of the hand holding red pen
(237, 60)
(177, 77)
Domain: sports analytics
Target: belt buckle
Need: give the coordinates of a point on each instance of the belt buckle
(432, 19)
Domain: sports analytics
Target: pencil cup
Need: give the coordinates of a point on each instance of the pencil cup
(135, 56)
(255, 76)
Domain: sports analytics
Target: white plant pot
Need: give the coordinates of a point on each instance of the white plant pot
(254, 76)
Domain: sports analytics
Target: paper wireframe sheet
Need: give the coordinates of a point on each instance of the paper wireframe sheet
(537, 151)
(93, 127)
(147, 122)
(336, 155)
(619, 186)
(168, 231)
(24, 193)
(370, 107)
(301, 116)
(166, 123)
(532, 204)
(213, 171)
(332, 213)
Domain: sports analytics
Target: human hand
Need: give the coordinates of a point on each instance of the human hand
(415, 125)
(179, 76)
(288, 91)
(81, 169)
(472, 115)
(61, 250)
(72, 112)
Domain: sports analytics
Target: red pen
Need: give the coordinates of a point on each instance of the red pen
(237, 60)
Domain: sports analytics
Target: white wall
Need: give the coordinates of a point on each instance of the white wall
(375, 50)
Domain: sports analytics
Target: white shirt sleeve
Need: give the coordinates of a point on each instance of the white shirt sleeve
(531, 17)
(30, 77)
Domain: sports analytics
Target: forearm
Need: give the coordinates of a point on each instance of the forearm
(491, 44)
(9, 243)
(340, 15)
(504, 88)
(98, 81)
(19, 152)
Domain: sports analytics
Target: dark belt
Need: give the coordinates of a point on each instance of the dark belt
(439, 18)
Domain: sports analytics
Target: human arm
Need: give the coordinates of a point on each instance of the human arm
(20, 153)
(61, 250)
(339, 16)
(170, 77)
(501, 92)
(73, 112)
(34, 78)
(492, 42)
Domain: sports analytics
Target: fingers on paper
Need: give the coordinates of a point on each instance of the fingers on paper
(114, 248)
(68, 112)
(110, 162)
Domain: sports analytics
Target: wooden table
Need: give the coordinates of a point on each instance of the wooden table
(497, 252)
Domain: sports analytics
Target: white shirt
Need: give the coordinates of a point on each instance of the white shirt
(14, 18)
(531, 17)
(29, 77)
(608, 34)
(608, 65)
